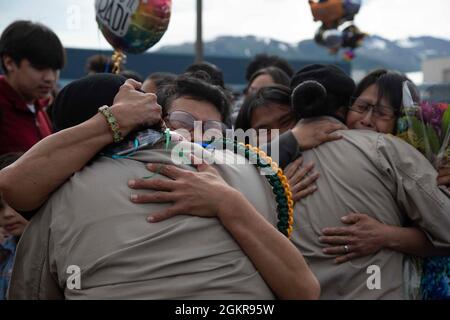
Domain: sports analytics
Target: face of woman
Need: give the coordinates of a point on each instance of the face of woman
(272, 116)
(369, 114)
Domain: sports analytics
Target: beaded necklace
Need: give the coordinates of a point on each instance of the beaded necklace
(275, 177)
(272, 172)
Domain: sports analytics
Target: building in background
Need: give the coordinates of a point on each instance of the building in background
(436, 70)
(436, 75)
(233, 67)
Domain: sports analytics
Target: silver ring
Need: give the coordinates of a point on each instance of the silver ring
(346, 249)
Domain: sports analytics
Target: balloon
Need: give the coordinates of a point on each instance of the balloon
(133, 26)
(352, 37)
(332, 38)
(351, 8)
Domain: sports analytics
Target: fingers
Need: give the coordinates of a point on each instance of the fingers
(444, 180)
(335, 240)
(300, 173)
(352, 218)
(305, 182)
(132, 84)
(304, 193)
(166, 214)
(199, 163)
(169, 171)
(340, 251)
(347, 257)
(337, 250)
(154, 197)
(327, 137)
(339, 231)
(153, 184)
(293, 167)
(334, 127)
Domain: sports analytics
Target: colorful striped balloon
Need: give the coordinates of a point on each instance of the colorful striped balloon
(133, 26)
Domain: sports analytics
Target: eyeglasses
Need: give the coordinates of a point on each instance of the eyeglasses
(378, 111)
(185, 120)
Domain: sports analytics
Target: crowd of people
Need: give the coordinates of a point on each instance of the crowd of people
(89, 181)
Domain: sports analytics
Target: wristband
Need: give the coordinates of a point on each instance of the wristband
(112, 123)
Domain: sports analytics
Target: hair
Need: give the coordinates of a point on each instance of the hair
(199, 89)
(32, 41)
(162, 78)
(262, 60)
(214, 72)
(99, 63)
(277, 74)
(321, 90)
(130, 74)
(264, 97)
(390, 87)
(79, 100)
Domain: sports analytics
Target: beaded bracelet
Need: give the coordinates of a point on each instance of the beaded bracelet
(112, 122)
(276, 178)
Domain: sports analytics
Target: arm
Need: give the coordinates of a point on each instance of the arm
(366, 236)
(54, 159)
(206, 194)
(304, 136)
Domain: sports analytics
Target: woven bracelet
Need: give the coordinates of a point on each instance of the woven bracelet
(112, 122)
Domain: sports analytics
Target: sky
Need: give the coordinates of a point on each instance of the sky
(286, 20)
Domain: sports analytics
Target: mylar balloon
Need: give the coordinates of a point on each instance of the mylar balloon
(332, 38)
(133, 26)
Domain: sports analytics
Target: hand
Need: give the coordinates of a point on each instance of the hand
(199, 193)
(134, 109)
(301, 180)
(364, 236)
(312, 134)
(444, 176)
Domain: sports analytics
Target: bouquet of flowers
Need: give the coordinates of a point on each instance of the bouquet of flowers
(427, 128)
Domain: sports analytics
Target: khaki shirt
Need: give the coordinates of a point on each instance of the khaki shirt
(90, 222)
(381, 176)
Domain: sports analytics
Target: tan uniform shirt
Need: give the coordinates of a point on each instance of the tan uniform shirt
(90, 222)
(383, 177)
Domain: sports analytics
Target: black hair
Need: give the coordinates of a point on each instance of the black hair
(390, 87)
(214, 72)
(162, 78)
(277, 74)
(79, 100)
(32, 41)
(130, 74)
(197, 88)
(263, 60)
(262, 98)
(321, 90)
(99, 63)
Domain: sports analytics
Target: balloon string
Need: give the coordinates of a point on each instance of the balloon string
(118, 58)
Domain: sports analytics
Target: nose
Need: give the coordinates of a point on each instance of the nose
(7, 212)
(367, 119)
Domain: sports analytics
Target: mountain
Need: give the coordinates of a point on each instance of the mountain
(404, 55)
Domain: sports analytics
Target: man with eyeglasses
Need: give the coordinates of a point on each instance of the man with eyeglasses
(195, 108)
